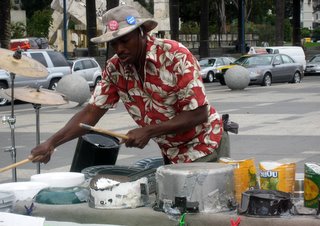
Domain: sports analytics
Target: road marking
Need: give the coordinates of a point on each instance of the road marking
(311, 152)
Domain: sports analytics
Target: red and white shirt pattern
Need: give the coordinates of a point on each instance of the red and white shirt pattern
(172, 84)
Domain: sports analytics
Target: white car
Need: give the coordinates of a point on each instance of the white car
(209, 66)
(88, 68)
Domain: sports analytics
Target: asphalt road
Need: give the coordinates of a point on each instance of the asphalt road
(277, 123)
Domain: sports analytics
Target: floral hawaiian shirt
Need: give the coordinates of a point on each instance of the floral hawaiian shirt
(172, 84)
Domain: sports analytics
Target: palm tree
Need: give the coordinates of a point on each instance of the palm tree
(296, 39)
(204, 33)
(5, 28)
(279, 33)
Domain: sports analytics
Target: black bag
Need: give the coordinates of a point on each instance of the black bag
(228, 125)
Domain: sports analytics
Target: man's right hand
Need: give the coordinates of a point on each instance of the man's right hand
(42, 153)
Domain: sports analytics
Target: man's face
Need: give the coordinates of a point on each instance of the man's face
(127, 47)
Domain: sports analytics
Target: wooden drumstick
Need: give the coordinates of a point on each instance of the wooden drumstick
(14, 165)
(103, 131)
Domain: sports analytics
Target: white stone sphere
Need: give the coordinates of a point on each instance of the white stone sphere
(75, 88)
(237, 77)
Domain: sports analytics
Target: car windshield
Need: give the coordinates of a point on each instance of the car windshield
(315, 59)
(206, 62)
(254, 60)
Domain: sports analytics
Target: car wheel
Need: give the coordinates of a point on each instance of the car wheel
(210, 77)
(3, 101)
(97, 81)
(222, 81)
(53, 83)
(267, 80)
(296, 77)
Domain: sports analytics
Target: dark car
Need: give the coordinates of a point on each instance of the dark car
(313, 65)
(265, 69)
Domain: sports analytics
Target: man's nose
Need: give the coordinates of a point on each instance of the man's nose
(117, 47)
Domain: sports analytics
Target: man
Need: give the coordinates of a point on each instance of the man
(160, 84)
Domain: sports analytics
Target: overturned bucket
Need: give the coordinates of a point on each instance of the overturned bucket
(95, 149)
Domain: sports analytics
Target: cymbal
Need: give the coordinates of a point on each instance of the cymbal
(26, 66)
(38, 96)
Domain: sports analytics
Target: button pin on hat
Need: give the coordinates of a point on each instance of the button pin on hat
(113, 25)
(131, 20)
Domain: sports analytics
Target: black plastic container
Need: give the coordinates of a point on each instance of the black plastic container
(95, 149)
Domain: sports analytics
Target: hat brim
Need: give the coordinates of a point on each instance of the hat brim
(111, 35)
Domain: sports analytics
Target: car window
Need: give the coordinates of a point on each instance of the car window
(57, 59)
(87, 64)
(78, 66)
(241, 60)
(204, 63)
(95, 64)
(219, 62)
(39, 57)
(315, 59)
(286, 59)
(277, 60)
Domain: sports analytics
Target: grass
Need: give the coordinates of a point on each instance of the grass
(311, 44)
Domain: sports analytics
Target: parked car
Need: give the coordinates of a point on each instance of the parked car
(209, 66)
(88, 68)
(273, 68)
(54, 61)
(266, 69)
(313, 65)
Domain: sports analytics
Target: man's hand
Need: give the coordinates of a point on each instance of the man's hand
(137, 138)
(41, 153)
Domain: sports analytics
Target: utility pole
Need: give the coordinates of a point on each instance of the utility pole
(91, 16)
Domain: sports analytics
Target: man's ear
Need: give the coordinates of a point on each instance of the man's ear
(141, 32)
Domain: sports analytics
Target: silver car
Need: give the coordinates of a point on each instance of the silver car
(88, 68)
(209, 66)
(313, 65)
(265, 69)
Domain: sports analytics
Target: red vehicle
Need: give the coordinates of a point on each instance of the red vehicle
(28, 43)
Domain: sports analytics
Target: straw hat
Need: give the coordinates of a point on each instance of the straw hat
(122, 20)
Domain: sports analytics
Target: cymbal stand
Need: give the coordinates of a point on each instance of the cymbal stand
(37, 110)
(11, 120)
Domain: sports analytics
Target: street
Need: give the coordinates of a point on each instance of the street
(277, 123)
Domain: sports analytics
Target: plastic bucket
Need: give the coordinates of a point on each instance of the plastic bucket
(95, 149)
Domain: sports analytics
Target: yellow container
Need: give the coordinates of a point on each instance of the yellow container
(307, 39)
(245, 175)
(277, 176)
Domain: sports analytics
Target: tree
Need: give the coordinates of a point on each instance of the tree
(31, 6)
(38, 25)
(5, 24)
(279, 32)
(204, 35)
(18, 30)
(296, 39)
